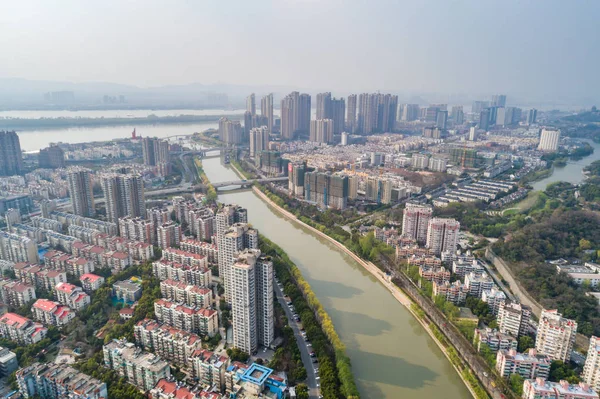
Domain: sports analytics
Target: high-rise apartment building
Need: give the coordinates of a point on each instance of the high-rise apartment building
(251, 104)
(351, 124)
(296, 173)
(81, 191)
(458, 116)
(168, 235)
(16, 248)
(156, 153)
(498, 100)
(266, 110)
(555, 335)
(338, 115)
(376, 112)
(259, 140)
(441, 119)
(326, 190)
(124, 195)
(252, 301)
(295, 115)
(484, 119)
(410, 112)
(415, 221)
(321, 131)
(513, 116)
(238, 237)
(549, 140)
(591, 369)
(531, 116)
(51, 158)
(324, 109)
(379, 190)
(442, 235)
(479, 106)
(513, 319)
(11, 158)
(230, 132)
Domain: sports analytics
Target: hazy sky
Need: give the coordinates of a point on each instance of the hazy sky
(529, 48)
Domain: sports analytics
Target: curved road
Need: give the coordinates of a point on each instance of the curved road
(311, 376)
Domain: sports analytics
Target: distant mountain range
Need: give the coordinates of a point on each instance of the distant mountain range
(17, 93)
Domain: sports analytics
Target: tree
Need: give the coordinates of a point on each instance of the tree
(525, 343)
(584, 244)
(302, 391)
(516, 383)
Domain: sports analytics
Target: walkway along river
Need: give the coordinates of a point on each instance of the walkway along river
(392, 356)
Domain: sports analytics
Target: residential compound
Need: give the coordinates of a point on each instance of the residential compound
(56, 381)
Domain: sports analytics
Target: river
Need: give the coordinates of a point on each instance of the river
(392, 356)
(572, 172)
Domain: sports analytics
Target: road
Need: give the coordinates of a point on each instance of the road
(311, 379)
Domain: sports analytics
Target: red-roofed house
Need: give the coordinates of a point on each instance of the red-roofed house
(191, 295)
(91, 282)
(21, 329)
(197, 320)
(16, 293)
(72, 296)
(51, 313)
(168, 342)
(171, 390)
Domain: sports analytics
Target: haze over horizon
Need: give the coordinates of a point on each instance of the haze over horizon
(533, 50)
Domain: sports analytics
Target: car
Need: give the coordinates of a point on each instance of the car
(308, 343)
(317, 378)
(315, 361)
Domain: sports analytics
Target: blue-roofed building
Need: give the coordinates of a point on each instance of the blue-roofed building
(258, 379)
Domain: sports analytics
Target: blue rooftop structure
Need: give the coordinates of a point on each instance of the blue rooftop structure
(257, 374)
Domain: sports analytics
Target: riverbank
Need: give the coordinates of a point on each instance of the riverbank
(396, 292)
(54, 123)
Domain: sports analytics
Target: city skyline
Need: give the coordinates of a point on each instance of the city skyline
(535, 55)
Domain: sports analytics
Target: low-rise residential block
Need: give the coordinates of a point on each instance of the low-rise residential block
(51, 313)
(200, 321)
(142, 369)
(21, 329)
(57, 381)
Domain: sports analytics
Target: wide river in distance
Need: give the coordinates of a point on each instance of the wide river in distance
(392, 355)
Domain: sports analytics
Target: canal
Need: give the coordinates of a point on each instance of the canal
(392, 356)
